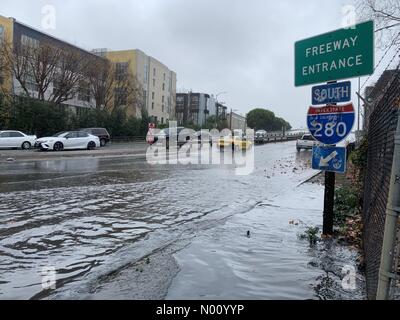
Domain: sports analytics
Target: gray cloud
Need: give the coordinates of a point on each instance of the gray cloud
(244, 47)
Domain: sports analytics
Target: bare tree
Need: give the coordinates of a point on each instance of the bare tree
(70, 73)
(37, 67)
(5, 70)
(56, 74)
(101, 80)
(386, 15)
(113, 87)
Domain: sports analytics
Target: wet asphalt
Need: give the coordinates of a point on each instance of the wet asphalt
(114, 226)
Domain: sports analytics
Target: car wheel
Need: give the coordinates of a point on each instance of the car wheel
(26, 145)
(103, 142)
(58, 146)
(91, 145)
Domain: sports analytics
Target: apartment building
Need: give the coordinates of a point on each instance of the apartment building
(17, 35)
(158, 81)
(196, 108)
(192, 108)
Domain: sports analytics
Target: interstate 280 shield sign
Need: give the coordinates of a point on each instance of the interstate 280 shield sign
(331, 124)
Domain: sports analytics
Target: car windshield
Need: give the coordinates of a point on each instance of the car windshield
(59, 134)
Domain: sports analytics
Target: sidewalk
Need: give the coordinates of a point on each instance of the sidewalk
(110, 151)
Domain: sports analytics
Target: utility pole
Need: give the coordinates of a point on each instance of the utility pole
(386, 272)
(359, 106)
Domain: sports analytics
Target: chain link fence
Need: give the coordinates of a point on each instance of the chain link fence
(381, 132)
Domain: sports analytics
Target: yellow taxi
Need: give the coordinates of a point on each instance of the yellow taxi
(237, 143)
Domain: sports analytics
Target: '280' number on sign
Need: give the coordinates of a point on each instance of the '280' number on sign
(331, 128)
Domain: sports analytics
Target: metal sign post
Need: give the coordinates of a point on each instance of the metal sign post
(329, 200)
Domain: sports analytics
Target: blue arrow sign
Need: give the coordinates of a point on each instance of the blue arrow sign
(331, 93)
(332, 159)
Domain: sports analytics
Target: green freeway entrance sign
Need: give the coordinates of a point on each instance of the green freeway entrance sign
(341, 54)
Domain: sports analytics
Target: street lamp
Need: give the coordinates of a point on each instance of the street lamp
(217, 95)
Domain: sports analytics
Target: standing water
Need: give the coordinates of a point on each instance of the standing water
(124, 229)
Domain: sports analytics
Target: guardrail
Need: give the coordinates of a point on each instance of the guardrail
(268, 138)
(278, 137)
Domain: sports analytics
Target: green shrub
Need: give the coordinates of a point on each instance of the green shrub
(43, 118)
(346, 204)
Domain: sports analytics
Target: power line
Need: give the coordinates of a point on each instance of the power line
(382, 58)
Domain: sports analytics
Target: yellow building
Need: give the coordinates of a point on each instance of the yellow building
(6, 35)
(158, 81)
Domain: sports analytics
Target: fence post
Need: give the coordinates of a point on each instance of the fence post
(386, 272)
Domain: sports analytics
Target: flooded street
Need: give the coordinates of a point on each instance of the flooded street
(121, 228)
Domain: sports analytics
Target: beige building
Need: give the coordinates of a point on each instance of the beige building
(158, 81)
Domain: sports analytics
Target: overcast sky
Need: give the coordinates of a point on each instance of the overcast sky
(243, 47)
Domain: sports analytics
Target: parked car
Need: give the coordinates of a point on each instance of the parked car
(307, 142)
(261, 134)
(164, 136)
(102, 133)
(16, 139)
(70, 140)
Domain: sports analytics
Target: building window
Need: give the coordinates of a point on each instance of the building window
(162, 120)
(152, 95)
(154, 72)
(162, 108)
(84, 92)
(163, 86)
(162, 99)
(154, 82)
(120, 97)
(29, 42)
(146, 76)
(152, 106)
(164, 76)
(121, 71)
(31, 83)
(1, 33)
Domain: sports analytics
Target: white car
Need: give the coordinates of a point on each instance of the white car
(70, 140)
(307, 142)
(16, 139)
(261, 134)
